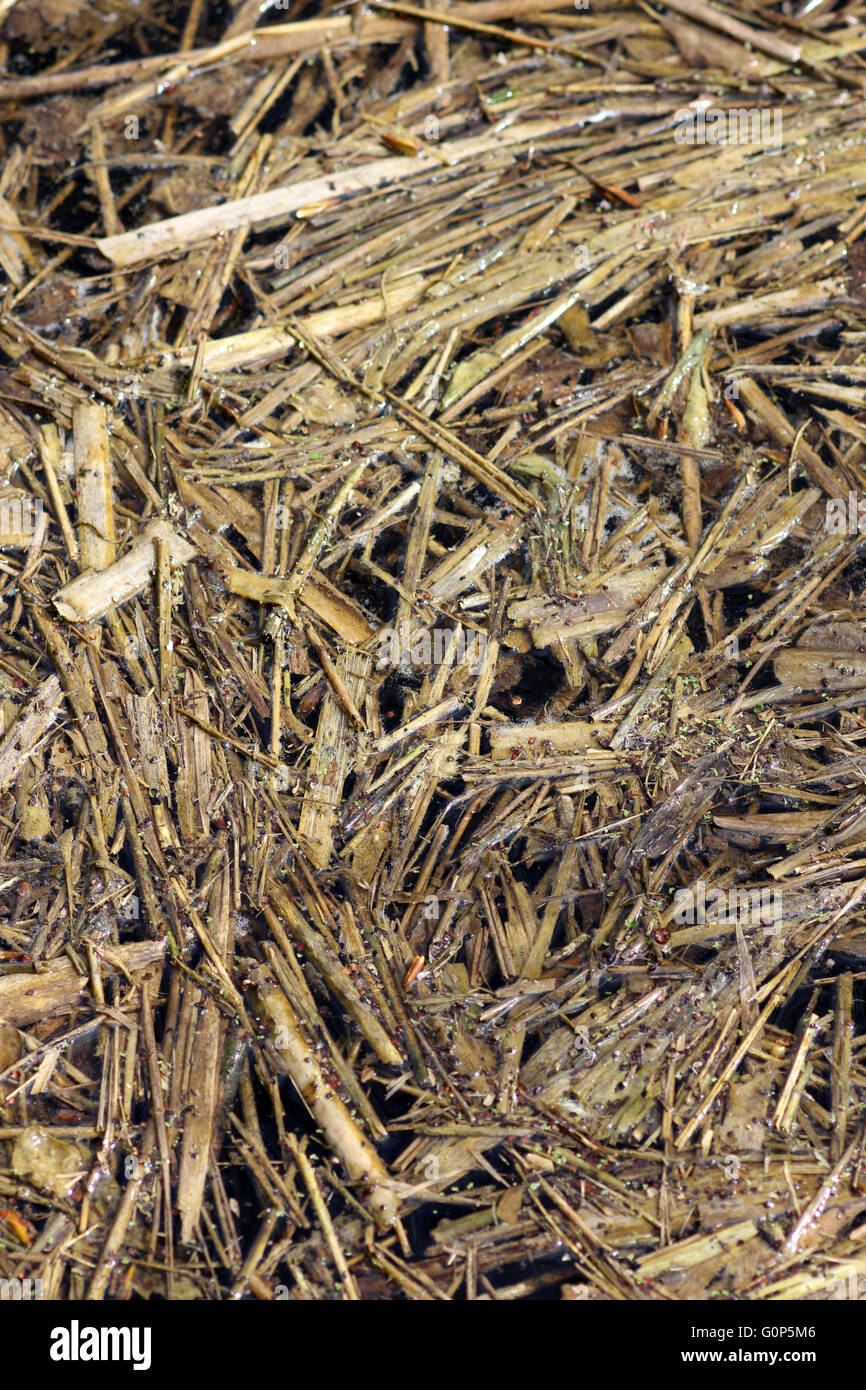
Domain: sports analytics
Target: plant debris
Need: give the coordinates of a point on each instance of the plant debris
(432, 632)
